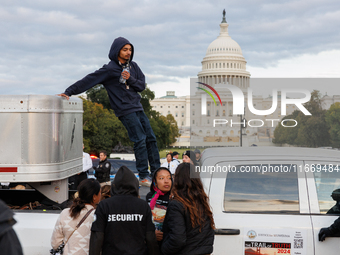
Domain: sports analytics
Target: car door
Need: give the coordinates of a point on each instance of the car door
(322, 179)
(260, 208)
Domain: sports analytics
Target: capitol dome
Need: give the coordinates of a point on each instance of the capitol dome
(224, 62)
(224, 45)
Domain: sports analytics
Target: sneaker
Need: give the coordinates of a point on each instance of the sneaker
(145, 181)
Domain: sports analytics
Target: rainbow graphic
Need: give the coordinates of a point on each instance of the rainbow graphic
(209, 93)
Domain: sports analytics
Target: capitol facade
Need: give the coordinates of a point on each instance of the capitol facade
(197, 115)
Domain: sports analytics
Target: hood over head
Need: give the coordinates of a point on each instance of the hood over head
(6, 218)
(116, 46)
(154, 178)
(5, 213)
(125, 183)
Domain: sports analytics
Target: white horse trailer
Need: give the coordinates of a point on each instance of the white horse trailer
(41, 146)
(41, 142)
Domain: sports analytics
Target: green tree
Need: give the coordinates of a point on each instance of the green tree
(333, 120)
(311, 131)
(98, 94)
(146, 96)
(163, 132)
(162, 129)
(102, 130)
(314, 105)
(165, 128)
(284, 135)
(174, 132)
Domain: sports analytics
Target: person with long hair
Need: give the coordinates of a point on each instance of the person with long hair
(105, 191)
(188, 226)
(77, 242)
(158, 199)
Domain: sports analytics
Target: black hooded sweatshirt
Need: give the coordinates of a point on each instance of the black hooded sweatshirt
(123, 223)
(123, 101)
(9, 242)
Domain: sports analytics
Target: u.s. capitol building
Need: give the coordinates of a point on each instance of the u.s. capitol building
(222, 66)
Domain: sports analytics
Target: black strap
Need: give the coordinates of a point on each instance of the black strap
(80, 222)
(84, 218)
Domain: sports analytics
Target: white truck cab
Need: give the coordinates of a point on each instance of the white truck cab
(271, 200)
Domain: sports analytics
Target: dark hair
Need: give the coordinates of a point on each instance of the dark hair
(154, 177)
(159, 169)
(192, 156)
(86, 189)
(190, 192)
(175, 153)
(169, 154)
(105, 191)
(104, 152)
(336, 195)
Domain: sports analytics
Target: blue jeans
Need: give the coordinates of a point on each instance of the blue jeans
(145, 144)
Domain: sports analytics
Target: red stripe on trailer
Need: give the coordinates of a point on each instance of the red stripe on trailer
(8, 169)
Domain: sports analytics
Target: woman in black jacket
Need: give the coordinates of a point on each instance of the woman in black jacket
(158, 199)
(189, 225)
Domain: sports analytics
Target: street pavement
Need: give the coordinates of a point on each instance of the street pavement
(143, 191)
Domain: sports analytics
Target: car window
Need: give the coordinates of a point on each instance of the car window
(256, 191)
(327, 181)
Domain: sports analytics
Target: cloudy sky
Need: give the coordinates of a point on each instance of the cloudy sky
(46, 46)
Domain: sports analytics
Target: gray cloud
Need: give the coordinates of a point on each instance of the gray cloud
(48, 45)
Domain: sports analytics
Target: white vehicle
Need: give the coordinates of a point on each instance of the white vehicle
(271, 200)
(41, 146)
(34, 230)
